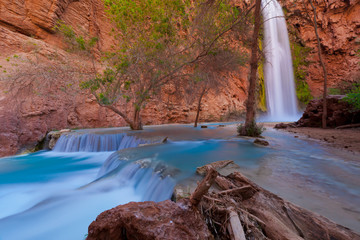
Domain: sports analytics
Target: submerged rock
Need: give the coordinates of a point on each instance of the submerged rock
(150, 220)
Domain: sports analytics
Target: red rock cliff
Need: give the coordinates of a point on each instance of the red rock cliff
(39, 87)
(339, 32)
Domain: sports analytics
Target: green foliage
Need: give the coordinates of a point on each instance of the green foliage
(299, 54)
(353, 97)
(156, 42)
(261, 92)
(335, 91)
(254, 130)
(74, 40)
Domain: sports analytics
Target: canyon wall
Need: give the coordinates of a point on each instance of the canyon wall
(339, 32)
(39, 79)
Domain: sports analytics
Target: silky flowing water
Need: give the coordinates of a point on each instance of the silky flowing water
(56, 194)
(278, 70)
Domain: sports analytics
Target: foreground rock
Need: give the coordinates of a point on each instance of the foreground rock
(338, 113)
(150, 220)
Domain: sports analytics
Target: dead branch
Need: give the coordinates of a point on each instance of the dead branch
(224, 183)
(235, 191)
(203, 187)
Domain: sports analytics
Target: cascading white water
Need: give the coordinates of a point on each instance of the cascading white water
(278, 70)
(96, 142)
(56, 194)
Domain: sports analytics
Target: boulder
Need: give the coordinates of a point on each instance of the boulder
(338, 113)
(150, 220)
(281, 125)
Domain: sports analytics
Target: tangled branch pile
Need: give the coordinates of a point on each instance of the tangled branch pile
(242, 210)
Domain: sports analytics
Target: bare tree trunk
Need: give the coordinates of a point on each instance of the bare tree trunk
(250, 104)
(137, 121)
(324, 115)
(134, 125)
(198, 108)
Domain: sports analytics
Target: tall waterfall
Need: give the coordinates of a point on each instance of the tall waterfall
(278, 70)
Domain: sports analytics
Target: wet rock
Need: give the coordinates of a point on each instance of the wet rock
(203, 126)
(150, 220)
(261, 142)
(54, 136)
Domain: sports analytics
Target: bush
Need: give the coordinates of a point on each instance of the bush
(254, 130)
(353, 97)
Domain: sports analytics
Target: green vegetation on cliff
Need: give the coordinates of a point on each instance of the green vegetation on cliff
(299, 55)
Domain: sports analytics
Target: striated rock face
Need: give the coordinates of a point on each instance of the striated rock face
(40, 88)
(149, 220)
(339, 32)
(338, 113)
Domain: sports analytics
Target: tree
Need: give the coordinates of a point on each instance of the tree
(156, 43)
(209, 75)
(324, 114)
(250, 104)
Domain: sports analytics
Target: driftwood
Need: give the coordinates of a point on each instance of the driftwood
(235, 225)
(356, 125)
(203, 187)
(243, 206)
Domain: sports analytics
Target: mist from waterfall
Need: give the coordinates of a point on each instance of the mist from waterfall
(278, 70)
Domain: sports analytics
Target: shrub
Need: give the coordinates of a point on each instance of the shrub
(353, 97)
(254, 130)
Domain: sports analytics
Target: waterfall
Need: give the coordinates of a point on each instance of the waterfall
(150, 179)
(278, 70)
(96, 142)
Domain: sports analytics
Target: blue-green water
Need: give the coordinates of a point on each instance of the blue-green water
(56, 195)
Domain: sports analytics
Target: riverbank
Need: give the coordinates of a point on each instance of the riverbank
(344, 139)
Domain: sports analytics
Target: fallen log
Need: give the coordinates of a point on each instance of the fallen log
(348, 126)
(203, 187)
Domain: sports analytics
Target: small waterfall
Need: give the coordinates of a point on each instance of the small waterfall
(278, 70)
(151, 179)
(96, 142)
